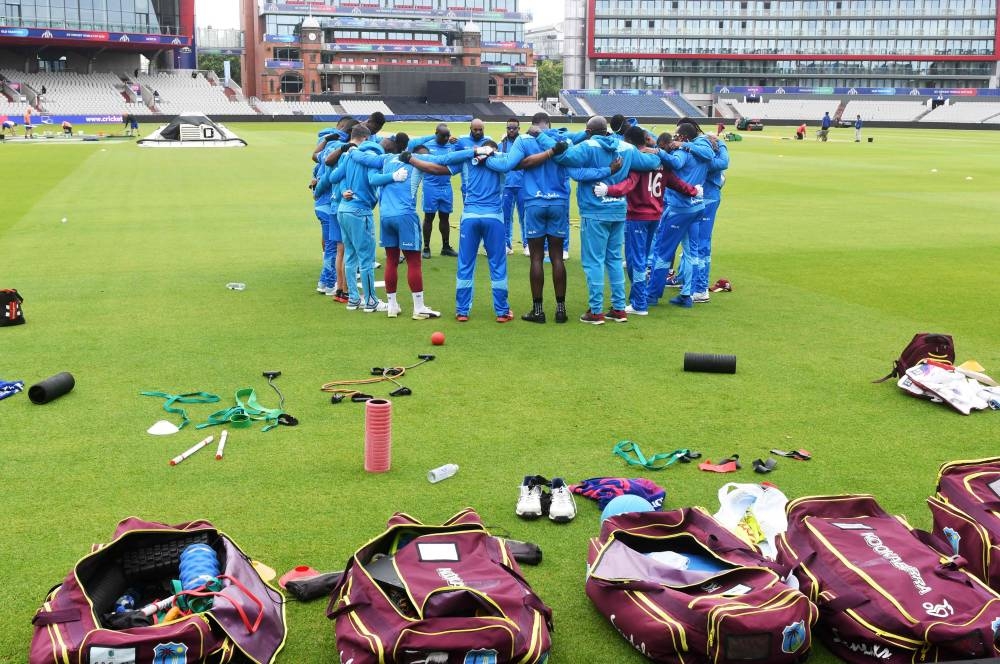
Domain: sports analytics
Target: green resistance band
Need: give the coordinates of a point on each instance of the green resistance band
(632, 453)
(246, 411)
(187, 397)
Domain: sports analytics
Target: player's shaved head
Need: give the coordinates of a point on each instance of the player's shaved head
(360, 133)
(597, 125)
(477, 129)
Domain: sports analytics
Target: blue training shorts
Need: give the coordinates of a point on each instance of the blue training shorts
(542, 220)
(437, 198)
(326, 216)
(401, 231)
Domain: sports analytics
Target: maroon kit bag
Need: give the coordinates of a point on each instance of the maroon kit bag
(680, 587)
(966, 511)
(448, 594)
(923, 346)
(77, 623)
(883, 594)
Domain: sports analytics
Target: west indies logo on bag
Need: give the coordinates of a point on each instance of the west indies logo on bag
(170, 653)
(793, 636)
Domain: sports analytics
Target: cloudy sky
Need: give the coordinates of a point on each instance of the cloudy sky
(225, 13)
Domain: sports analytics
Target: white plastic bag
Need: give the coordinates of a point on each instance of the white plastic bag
(754, 512)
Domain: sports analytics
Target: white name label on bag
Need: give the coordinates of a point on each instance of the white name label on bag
(112, 655)
(437, 551)
(851, 526)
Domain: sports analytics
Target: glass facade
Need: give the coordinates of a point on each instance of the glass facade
(781, 35)
(143, 16)
(367, 35)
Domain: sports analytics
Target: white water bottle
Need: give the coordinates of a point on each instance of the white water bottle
(442, 473)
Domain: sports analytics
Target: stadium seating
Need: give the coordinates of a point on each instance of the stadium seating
(578, 109)
(965, 112)
(685, 107)
(365, 107)
(883, 111)
(69, 93)
(524, 109)
(295, 107)
(631, 106)
(179, 92)
(788, 109)
(15, 110)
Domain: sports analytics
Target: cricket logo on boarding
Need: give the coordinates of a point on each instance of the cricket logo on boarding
(170, 653)
(793, 636)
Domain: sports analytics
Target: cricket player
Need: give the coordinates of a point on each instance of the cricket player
(643, 192)
(545, 190)
(512, 187)
(596, 163)
(437, 193)
(482, 222)
(399, 225)
(689, 157)
(355, 214)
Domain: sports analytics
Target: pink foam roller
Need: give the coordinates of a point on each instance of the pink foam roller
(378, 435)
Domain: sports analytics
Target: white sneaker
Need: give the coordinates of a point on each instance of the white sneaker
(325, 290)
(377, 306)
(529, 503)
(510, 251)
(527, 252)
(562, 509)
(426, 313)
(376, 265)
(565, 255)
(700, 297)
(393, 310)
(635, 312)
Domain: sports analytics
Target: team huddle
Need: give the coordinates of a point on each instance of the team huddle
(648, 195)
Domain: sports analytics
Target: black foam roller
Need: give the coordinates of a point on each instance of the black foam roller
(51, 388)
(710, 363)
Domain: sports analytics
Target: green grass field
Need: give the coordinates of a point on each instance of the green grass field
(838, 254)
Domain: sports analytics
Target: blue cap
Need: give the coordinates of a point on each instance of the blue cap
(323, 133)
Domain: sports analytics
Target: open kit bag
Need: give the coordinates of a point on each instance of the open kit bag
(161, 594)
(680, 587)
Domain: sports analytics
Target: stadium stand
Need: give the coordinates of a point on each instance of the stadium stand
(411, 106)
(684, 107)
(965, 113)
(788, 109)
(294, 107)
(365, 107)
(631, 106)
(180, 91)
(69, 93)
(578, 108)
(524, 109)
(884, 111)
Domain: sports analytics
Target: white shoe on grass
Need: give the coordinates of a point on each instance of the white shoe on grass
(393, 311)
(425, 313)
(562, 509)
(377, 306)
(529, 502)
